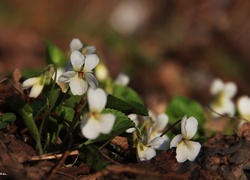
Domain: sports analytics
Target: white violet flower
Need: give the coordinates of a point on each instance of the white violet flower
(96, 122)
(145, 148)
(243, 106)
(36, 83)
(159, 123)
(186, 149)
(81, 75)
(223, 93)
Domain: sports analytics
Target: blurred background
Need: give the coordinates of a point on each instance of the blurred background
(167, 47)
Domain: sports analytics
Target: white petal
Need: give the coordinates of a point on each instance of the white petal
(75, 45)
(65, 77)
(122, 80)
(134, 118)
(97, 99)
(165, 144)
(228, 108)
(58, 73)
(224, 107)
(216, 86)
(189, 127)
(90, 128)
(187, 150)
(69, 66)
(91, 62)
(93, 83)
(106, 122)
(89, 50)
(78, 86)
(161, 122)
(146, 154)
(156, 142)
(35, 90)
(230, 89)
(30, 82)
(175, 141)
(243, 105)
(183, 124)
(77, 60)
(130, 130)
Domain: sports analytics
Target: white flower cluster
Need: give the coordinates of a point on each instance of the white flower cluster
(81, 75)
(223, 94)
(223, 103)
(152, 139)
(148, 137)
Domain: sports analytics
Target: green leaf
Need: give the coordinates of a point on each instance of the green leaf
(65, 112)
(55, 55)
(3, 124)
(126, 106)
(53, 96)
(93, 157)
(8, 117)
(38, 107)
(122, 123)
(181, 106)
(126, 92)
(70, 100)
(26, 112)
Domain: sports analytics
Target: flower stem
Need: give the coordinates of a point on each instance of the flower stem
(170, 127)
(77, 114)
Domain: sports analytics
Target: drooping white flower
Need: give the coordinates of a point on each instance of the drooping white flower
(81, 76)
(145, 148)
(159, 123)
(243, 107)
(186, 149)
(223, 93)
(96, 122)
(36, 83)
(122, 80)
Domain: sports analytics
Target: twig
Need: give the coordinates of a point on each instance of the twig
(67, 175)
(53, 156)
(128, 169)
(55, 169)
(110, 159)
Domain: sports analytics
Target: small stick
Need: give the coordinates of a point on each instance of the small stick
(52, 156)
